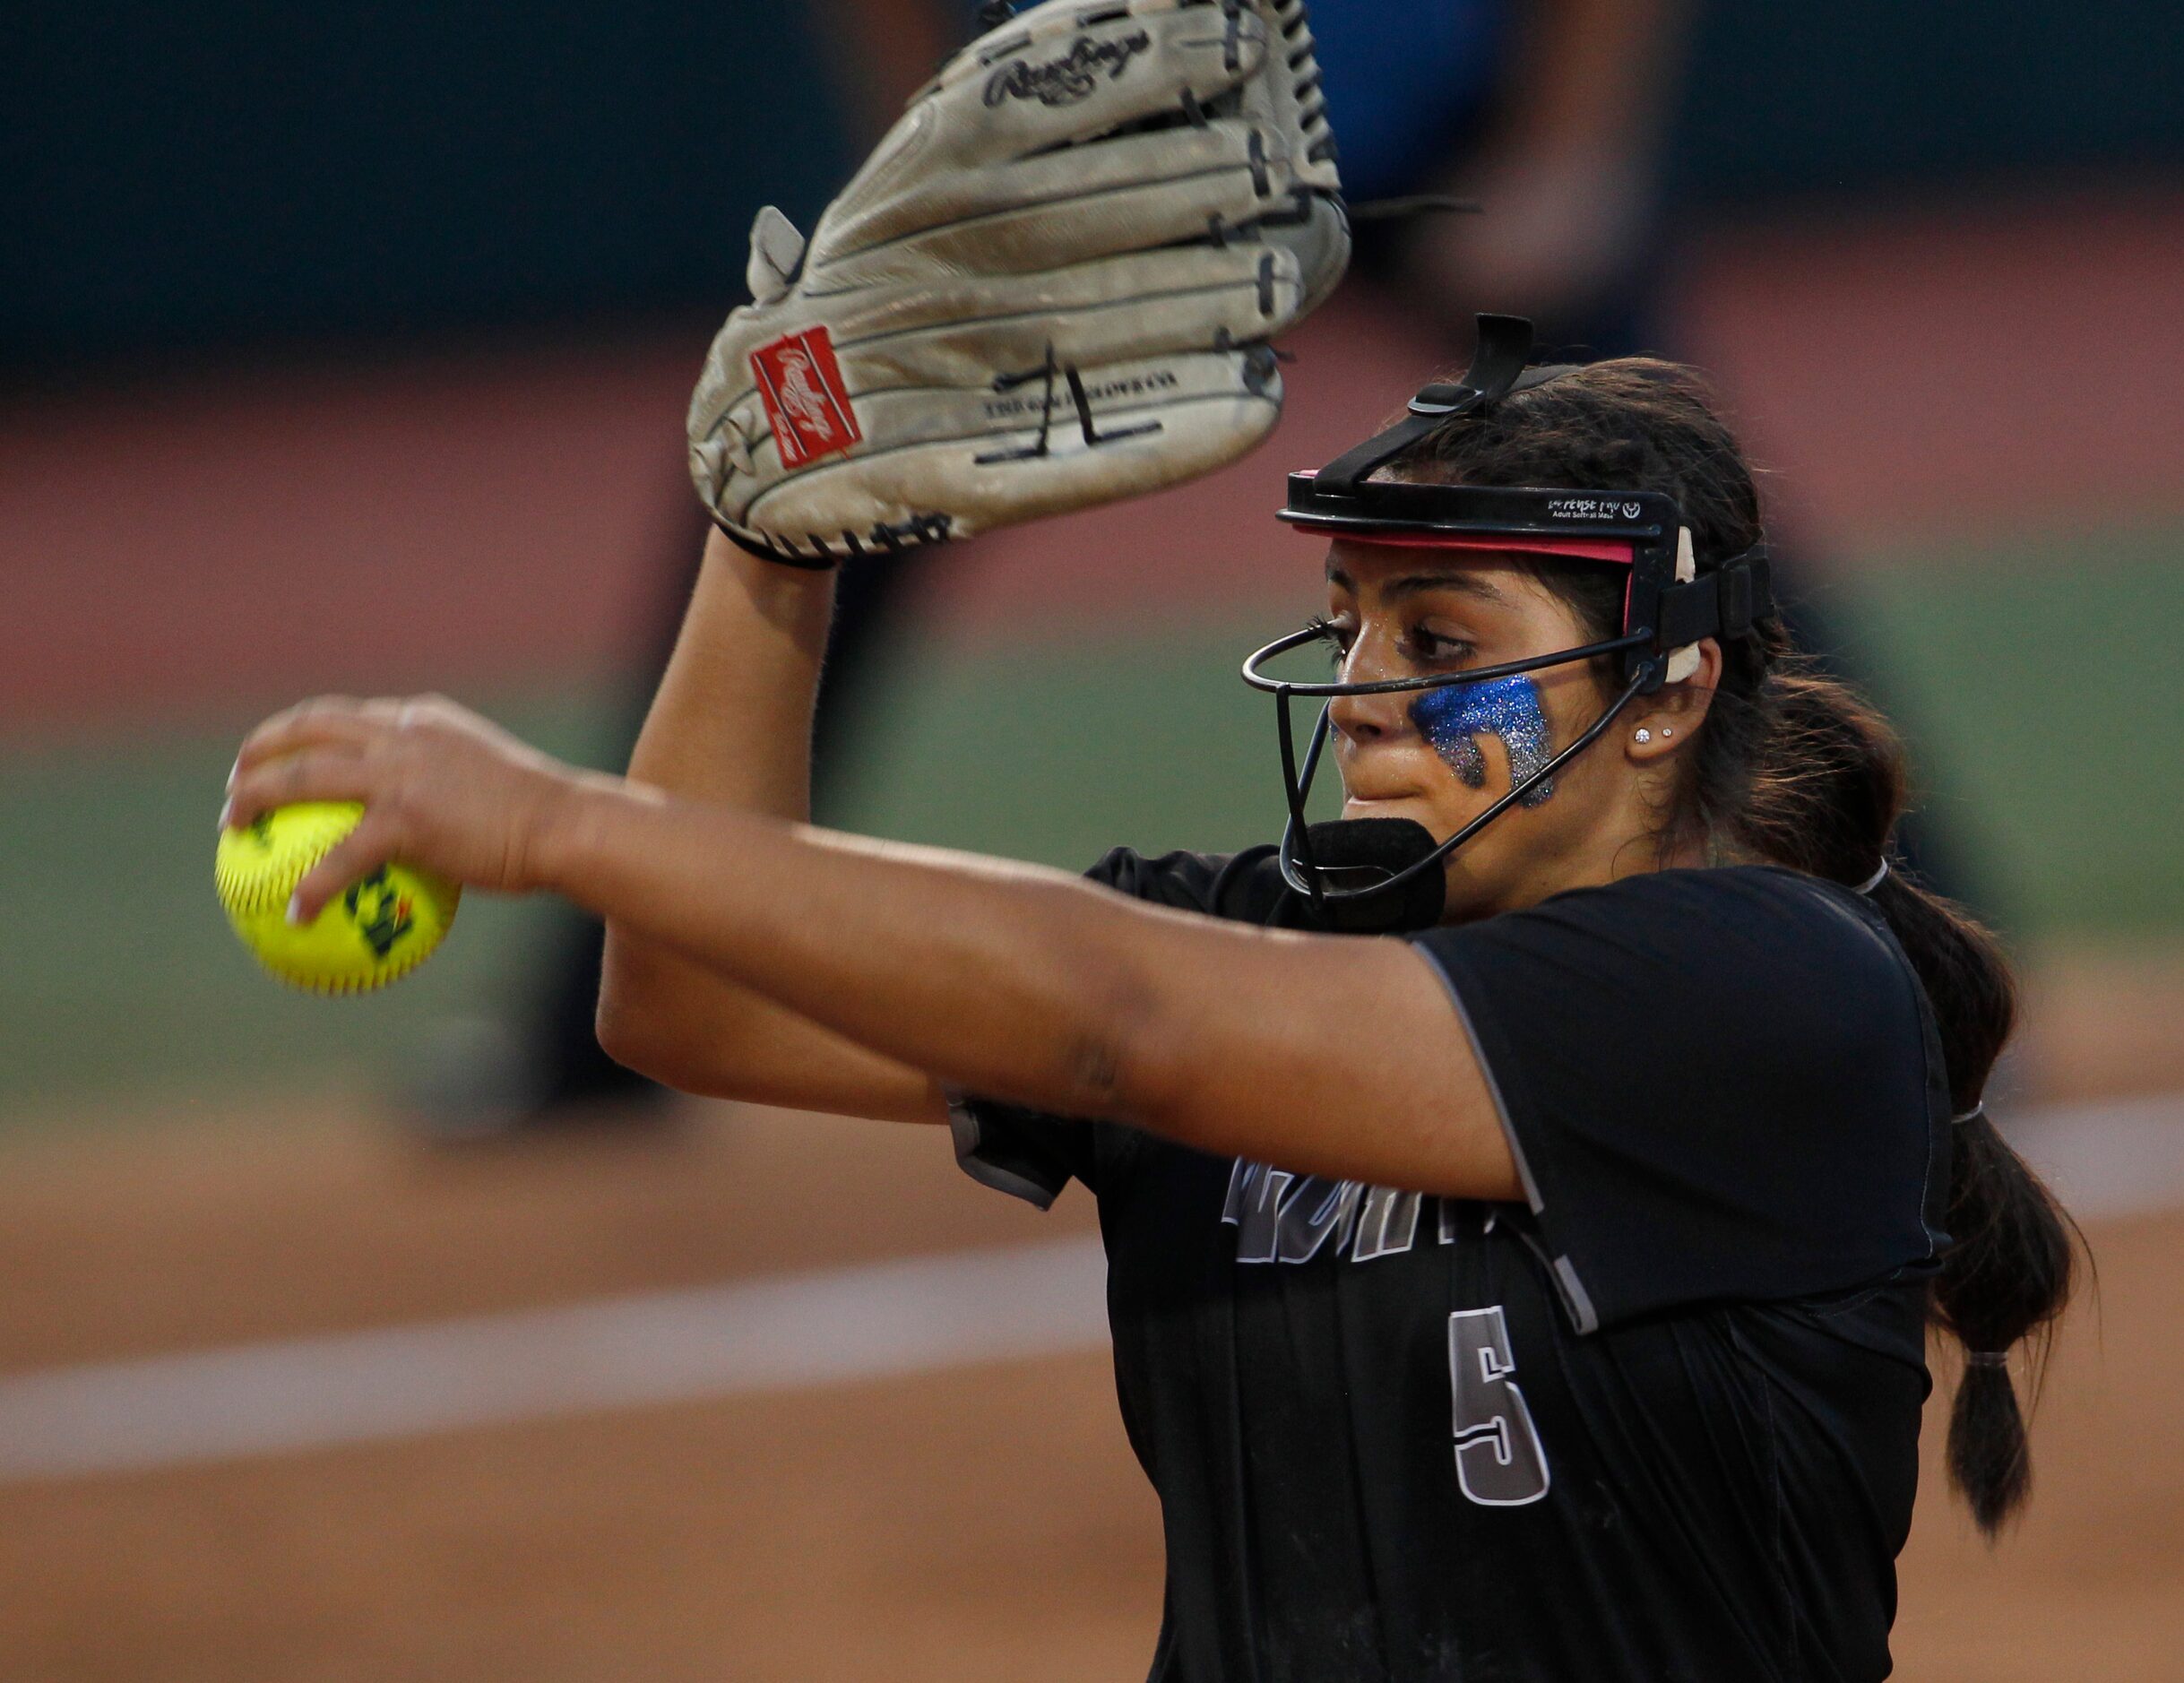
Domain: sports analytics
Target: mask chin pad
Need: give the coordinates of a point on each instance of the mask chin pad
(1354, 854)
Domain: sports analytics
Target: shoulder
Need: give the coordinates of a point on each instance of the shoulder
(1741, 1057)
(1718, 920)
(1722, 900)
(1755, 965)
(1768, 934)
(1245, 887)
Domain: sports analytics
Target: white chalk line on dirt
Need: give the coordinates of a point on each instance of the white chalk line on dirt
(781, 1333)
(2109, 1157)
(785, 1331)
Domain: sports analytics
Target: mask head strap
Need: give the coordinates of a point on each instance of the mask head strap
(1498, 366)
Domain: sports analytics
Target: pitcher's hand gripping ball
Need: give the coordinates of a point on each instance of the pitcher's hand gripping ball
(1053, 285)
(375, 931)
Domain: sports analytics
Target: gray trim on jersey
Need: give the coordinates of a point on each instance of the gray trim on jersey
(1574, 1296)
(963, 1128)
(1479, 1055)
(1576, 1300)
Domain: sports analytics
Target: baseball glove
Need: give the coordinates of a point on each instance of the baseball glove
(1052, 285)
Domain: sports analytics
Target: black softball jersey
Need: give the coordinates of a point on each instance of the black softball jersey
(1658, 1422)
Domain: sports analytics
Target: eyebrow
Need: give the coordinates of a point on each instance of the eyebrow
(1419, 583)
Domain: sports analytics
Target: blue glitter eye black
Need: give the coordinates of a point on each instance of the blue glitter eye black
(1453, 718)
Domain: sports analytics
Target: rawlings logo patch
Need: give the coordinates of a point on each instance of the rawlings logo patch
(1072, 77)
(806, 401)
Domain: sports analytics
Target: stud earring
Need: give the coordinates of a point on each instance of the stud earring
(1646, 736)
(1667, 731)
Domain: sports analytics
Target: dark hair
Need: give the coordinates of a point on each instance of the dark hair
(1794, 768)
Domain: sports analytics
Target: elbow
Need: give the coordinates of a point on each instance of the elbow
(632, 1027)
(623, 1036)
(1133, 1068)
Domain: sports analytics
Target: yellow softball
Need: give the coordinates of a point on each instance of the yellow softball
(377, 930)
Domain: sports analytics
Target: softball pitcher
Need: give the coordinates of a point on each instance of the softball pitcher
(1526, 1198)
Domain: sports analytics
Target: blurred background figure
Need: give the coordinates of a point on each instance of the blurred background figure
(1551, 114)
(348, 350)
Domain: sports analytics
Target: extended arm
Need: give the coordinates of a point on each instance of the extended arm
(1326, 1054)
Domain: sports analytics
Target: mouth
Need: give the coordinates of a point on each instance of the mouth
(1378, 783)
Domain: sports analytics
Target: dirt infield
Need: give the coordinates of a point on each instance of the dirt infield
(980, 1524)
(984, 1524)
(308, 1215)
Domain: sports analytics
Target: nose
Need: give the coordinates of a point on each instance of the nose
(1363, 718)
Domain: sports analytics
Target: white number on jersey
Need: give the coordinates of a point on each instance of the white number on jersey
(1499, 1463)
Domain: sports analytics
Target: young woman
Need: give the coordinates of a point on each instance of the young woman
(1540, 1294)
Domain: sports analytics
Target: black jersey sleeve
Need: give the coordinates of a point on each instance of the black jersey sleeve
(1026, 1153)
(1719, 1085)
(1034, 1155)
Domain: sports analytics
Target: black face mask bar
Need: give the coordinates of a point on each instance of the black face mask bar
(1300, 868)
(1660, 613)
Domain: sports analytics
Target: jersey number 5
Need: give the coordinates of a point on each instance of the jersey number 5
(1499, 1463)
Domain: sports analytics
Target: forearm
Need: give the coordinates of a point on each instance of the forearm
(889, 967)
(731, 725)
(1032, 986)
(815, 920)
(732, 719)
(894, 46)
(1596, 71)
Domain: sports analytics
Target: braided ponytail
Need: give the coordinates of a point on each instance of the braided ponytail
(1793, 768)
(1797, 770)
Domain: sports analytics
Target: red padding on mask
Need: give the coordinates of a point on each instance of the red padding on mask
(1580, 548)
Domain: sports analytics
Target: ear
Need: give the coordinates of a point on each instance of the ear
(1664, 722)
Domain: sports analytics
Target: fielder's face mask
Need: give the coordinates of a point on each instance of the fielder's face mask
(1379, 873)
